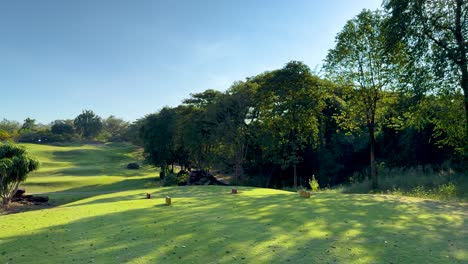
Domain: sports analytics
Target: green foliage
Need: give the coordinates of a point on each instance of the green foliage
(158, 134)
(88, 124)
(361, 60)
(314, 185)
(15, 165)
(114, 129)
(44, 136)
(435, 32)
(425, 182)
(62, 127)
(170, 179)
(182, 176)
(29, 124)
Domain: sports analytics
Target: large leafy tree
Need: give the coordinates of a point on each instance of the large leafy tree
(62, 127)
(200, 127)
(157, 132)
(15, 164)
(232, 115)
(9, 130)
(29, 124)
(88, 124)
(115, 128)
(360, 60)
(291, 103)
(436, 31)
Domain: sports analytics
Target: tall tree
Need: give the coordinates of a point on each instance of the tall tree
(291, 110)
(200, 126)
(88, 124)
(157, 132)
(15, 164)
(436, 30)
(231, 112)
(360, 59)
(115, 128)
(29, 124)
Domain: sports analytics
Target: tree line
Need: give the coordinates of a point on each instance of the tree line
(87, 126)
(392, 93)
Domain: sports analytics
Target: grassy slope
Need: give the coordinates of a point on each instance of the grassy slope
(72, 172)
(206, 224)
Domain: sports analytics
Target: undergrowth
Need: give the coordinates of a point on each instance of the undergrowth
(424, 182)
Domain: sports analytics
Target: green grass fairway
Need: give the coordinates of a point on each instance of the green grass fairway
(103, 217)
(71, 172)
(209, 225)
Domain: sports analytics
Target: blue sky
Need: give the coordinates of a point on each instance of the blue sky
(131, 58)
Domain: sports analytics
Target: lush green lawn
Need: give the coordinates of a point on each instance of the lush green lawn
(207, 224)
(71, 172)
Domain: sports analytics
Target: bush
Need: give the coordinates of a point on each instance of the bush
(170, 180)
(133, 166)
(182, 176)
(44, 137)
(424, 182)
(314, 185)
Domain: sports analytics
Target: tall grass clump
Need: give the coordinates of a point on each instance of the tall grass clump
(426, 182)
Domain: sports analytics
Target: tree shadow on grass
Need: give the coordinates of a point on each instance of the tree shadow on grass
(208, 225)
(109, 160)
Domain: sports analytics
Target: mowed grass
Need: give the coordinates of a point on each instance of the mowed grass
(71, 172)
(112, 222)
(207, 224)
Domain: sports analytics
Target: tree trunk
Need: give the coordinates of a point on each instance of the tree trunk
(295, 176)
(463, 63)
(464, 85)
(375, 183)
(6, 201)
(465, 96)
(239, 158)
(162, 174)
(465, 92)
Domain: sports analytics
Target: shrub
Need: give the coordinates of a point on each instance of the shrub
(441, 183)
(133, 166)
(182, 176)
(314, 185)
(170, 180)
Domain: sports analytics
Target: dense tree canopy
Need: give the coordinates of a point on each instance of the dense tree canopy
(436, 31)
(361, 60)
(88, 124)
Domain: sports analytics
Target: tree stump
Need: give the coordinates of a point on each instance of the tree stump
(168, 200)
(304, 194)
(148, 195)
(234, 191)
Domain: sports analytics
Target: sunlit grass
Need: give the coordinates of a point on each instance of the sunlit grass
(68, 171)
(207, 224)
(103, 217)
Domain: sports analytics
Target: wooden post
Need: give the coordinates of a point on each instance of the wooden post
(168, 200)
(148, 195)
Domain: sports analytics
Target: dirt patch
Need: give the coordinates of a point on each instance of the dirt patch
(23, 206)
